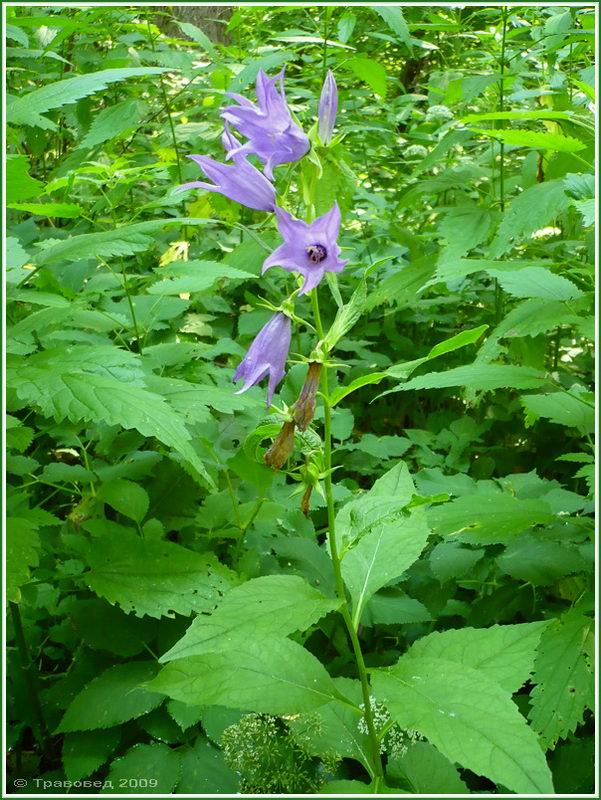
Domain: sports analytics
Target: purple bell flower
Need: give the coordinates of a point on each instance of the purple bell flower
(308, 248)
(239, 181)
(266, 356)
(328, 107)
(272, 134)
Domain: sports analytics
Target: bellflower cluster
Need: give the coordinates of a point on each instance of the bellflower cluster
(310, 249)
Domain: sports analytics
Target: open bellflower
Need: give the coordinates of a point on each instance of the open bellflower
(309, 248)
(266, 356)
(239, 181)
(272, 134)
(328, 108)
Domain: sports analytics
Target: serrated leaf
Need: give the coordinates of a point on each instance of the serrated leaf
(531, 210)
(426, 770)
(62, 210)
(266, 606)
(195, 276)
(105, 627)
(536, 282)
(371, 72)
(347, 316)
(155, 577)
(126, 497)
(203, 770)
(504, 653)
(19, 184)
(269, 62)
(393, 17)
(469, 718)
(199, 37)
(26, 110)
(452, 560)
(272, 676)
(478, 377)
(154, 762)
(488, 518)
(22, 549)
(112, 122)
(85, 751)
(564, 674)
(562, 408)
(388, 549)
(539, 560)
(112, 698)
(541, 141)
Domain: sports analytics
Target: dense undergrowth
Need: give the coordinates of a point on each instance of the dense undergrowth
(175, 621)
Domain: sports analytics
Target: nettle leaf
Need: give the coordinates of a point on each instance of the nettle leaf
(27, 109)
(464, 227)
(22, 553)
(504, 653)
(111, 122)
(85, 751)
(451, 560)
(199, 37)
(58, 388)
(152, 762)
(479, 377)
(564, 408)
(488, 518)
(539, 560)
(271, 676)
(126, 497)
(266, 606)
(536, 282)
(114, 697)
(155, 577)
(541, 141)
(63, 210)
(19, 184)
(371, 72)
(564, 674)
(393, 17)
(468, 717)
(195, 276)
(531, 210)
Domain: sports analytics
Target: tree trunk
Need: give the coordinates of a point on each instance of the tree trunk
(204, 17)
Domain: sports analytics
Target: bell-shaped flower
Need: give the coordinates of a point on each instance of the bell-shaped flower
(328, 108)
(266, 356)
(272, 134)
(309, 248)
(239, 181)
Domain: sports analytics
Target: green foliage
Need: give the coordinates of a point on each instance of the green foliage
(406, 605)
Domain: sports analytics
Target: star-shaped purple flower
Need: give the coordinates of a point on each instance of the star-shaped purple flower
(308, 248)
(266, 356)
(268, 125)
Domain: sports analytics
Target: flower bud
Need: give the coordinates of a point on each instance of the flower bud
(328, 106)
(278, 453)
(304, 408)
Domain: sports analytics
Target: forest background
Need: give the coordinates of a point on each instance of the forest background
(452, 447)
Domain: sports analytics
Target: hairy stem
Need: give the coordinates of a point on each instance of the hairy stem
(340, 591)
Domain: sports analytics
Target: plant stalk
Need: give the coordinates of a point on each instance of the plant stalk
(340, 591)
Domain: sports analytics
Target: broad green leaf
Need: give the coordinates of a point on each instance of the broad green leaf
(59, 472)
(536, 282)
(504, 653)
(17, 35)
(111, 122)
(459, 340)
(156, 763)
(105, 627)
(531, 210)
(384, 502)
(346, 317)
(536, 139)
(19, 184)
(203, 770)
(79, 396)
(371, 72)
(426, 770)
(265, 606)
(185, 715)
(394, 607)
(519, 115)
(539, 560)
(458, 268)
(126, 497)
(479, 377)
(27, 109)
(249, 73)
(22, 553)
(488, 518)
(154, 577)
(564, 674)
(199, 37)
(85, 751)
(63, 210)
(269, 675)
(112, 698)
(382, 554)
(464, 227)
(451, 560)
(365, 380)
(468, 717)
(564, 408)
(332, 730)
(18, 436)
(194, 276)
(401, 288)
(393, 17)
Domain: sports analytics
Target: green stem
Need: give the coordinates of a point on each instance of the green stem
(251, 519)
(30, 678)
(340, 591)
